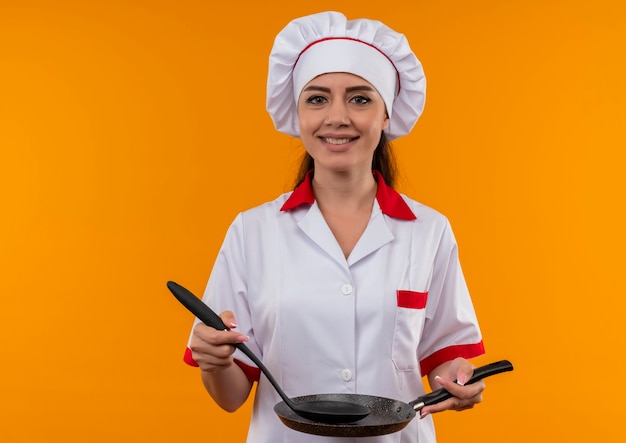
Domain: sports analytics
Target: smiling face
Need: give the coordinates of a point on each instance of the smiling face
(341, 119)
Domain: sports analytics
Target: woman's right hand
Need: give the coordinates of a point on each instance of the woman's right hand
(213, 349)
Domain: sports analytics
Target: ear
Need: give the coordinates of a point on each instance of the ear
(386, 121)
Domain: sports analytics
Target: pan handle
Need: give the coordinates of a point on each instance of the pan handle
(479, 373)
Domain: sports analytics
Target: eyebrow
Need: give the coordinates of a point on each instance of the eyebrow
(350, 89)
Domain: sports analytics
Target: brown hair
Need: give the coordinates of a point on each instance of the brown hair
(384, 161)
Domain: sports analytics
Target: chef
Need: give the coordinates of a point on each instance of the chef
(343, 285)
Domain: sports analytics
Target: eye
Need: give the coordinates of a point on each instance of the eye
(360, 100)
(316, 100)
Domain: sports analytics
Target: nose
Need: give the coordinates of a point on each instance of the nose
(337, 114)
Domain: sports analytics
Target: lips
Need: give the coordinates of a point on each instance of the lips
(338, 141)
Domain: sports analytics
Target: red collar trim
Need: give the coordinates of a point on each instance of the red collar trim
(391, 203)
(302, 195)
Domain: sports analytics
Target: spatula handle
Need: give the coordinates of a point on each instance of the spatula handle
(198, 308)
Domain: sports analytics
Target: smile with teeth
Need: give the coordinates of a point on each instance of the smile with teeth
(337, 141)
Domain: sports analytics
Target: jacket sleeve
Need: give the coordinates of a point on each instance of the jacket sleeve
(451, 328)
(227, 290)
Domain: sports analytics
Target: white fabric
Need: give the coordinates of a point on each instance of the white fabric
(290, 43)
(355, 57)
(311, 314)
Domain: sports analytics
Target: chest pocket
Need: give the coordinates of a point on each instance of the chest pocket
(410, 312)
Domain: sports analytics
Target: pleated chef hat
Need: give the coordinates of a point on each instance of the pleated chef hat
(328, 42)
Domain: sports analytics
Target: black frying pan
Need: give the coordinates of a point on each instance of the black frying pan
(386, 415)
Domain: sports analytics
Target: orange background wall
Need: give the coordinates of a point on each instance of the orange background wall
(133, 131)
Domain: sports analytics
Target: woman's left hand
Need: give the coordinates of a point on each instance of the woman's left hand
(463, 396)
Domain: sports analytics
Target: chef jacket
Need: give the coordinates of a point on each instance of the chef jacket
(373, 323)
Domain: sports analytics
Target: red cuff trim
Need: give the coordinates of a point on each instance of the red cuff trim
(252, 373)
(189, 359)
(450, 353)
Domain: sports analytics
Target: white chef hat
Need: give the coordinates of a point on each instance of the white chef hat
(328, 42)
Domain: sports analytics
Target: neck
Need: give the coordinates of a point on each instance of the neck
(344, 191)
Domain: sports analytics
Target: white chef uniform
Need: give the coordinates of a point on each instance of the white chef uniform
(373, 323)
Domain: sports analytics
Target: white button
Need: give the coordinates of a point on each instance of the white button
(346, 375)
(346, 289)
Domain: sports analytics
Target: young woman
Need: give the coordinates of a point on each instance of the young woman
(343, 285)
